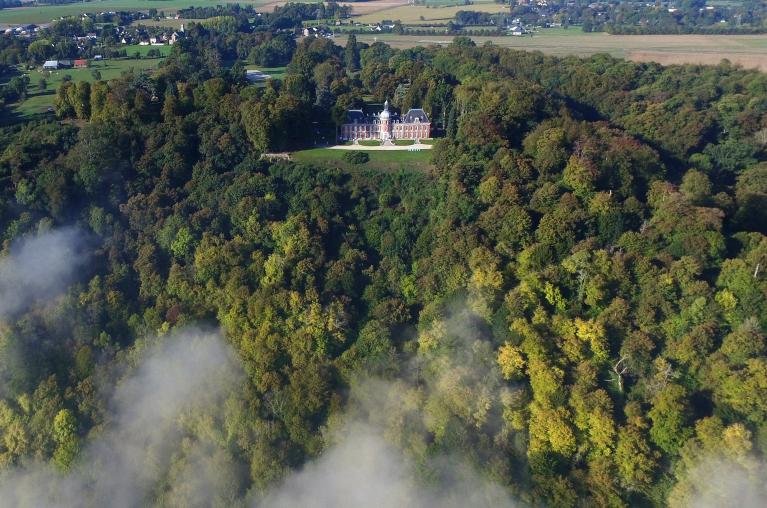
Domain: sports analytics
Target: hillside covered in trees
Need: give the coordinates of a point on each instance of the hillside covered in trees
(568, 309)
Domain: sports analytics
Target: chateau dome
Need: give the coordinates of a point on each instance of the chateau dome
(385, 113)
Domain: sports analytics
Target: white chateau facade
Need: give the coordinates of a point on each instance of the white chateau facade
(386, 126)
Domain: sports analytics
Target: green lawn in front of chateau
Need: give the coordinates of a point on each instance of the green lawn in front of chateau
(386, 160)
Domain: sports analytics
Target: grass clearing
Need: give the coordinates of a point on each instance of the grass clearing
(274, 72)
(38, 101)
(380, 160)
(134, 49)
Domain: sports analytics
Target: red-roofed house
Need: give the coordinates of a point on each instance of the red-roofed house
(81, 64)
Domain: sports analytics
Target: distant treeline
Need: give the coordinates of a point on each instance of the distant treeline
(291, 15)
(482, 18)
(53, 2)
(218, 10)
(684, 30)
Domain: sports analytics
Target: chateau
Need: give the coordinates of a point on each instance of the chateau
(386, 126)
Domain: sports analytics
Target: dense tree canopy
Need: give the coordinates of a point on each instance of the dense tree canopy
(580, 278)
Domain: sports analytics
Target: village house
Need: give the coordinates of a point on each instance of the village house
(386, 126)
(318, 31)
(518, 30)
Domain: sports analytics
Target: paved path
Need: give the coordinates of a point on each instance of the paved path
(365, 148)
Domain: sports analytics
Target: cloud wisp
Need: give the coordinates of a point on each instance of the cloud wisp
(178, 379)
(366, 463)
(39, 268)
(363, 469)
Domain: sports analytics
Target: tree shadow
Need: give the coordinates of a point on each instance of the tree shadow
(10, 73)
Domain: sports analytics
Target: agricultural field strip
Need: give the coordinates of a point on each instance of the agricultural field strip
(44, 14)
(411, 14)
(618, 45)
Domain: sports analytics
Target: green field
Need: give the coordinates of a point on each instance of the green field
(38, 101)
(381, 160)
(143, 50)
(46, 13)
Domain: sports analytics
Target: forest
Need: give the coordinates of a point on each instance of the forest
(567, 309)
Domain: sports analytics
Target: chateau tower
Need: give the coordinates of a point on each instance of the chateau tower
(385, 118)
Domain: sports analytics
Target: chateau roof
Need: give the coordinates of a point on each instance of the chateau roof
(356, 116)
(366, 117)
(413, 114)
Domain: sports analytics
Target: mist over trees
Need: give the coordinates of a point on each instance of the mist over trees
(567, 309)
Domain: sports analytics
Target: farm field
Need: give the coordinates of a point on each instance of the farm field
(747, 50)
(359, 8)
(446, 3)
(44, 14)
(397, 8)
(412, 14)
(38, 101)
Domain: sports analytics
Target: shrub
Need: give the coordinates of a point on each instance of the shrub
(355, 157)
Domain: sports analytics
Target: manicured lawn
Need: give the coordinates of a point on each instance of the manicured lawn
(382, 160)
